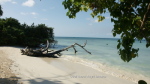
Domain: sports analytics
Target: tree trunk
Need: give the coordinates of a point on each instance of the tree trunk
(46, 52)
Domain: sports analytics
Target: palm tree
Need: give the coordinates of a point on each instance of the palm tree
(1, 12)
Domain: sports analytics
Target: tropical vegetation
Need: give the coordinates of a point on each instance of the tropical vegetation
(12, 32)
(131, 20)
(1, 12)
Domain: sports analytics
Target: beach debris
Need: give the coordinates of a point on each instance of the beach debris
(50, 53)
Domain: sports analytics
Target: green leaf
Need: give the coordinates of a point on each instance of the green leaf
(114, 34)
(147, 45)
(118, 46)
(68, 13)
(100, 18)
(121, 0)
(92, 15)
(85, 9)
(71, 0)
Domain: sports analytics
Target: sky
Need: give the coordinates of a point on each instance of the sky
(52, 14)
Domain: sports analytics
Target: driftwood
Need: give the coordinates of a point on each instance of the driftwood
(46, 52)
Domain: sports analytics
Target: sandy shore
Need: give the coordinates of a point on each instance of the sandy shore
(6, 76)
(33, 70)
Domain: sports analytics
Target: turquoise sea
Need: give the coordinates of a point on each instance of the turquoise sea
(104, 52)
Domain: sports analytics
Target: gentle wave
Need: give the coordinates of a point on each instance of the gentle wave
(106, 69)
(106, 59)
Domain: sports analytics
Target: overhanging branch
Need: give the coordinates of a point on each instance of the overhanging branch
(145, 16)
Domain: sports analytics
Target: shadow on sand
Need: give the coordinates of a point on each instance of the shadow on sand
(40, 81)
(44, 81)
(58, 79)
(141, 82)
(14, 80)
(11, 80)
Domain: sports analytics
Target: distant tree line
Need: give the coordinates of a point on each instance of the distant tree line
(12, 32)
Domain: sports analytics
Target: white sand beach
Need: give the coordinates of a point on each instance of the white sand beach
(34, 70)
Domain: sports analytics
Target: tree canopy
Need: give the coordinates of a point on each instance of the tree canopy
(131, 20)
(1, 12)
(12, 32)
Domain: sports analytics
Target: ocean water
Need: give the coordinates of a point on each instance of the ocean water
(105, 56)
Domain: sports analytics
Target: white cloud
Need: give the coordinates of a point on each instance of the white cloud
(29, 3)
(96, 20)
(91, 20)
(33, 13)
(107, 17)
(4, 1)
(13, 2)
(27, 13)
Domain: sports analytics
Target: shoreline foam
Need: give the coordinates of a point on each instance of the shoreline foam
(134, 77)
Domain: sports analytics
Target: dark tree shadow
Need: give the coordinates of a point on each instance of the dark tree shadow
(11, 80)
(17, 80)
(58, 79)
(43, 81)
(141, 82)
